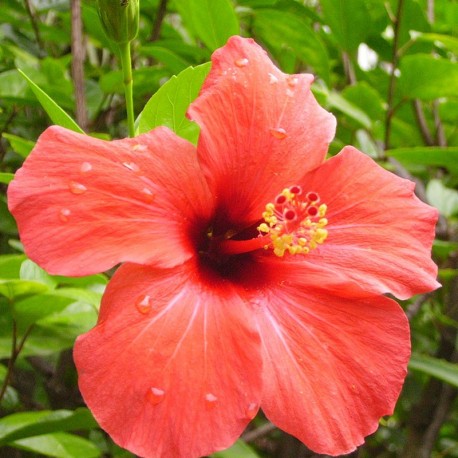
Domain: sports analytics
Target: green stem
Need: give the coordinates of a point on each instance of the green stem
(126, 63)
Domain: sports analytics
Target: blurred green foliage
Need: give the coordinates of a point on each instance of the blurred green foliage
(387, 70)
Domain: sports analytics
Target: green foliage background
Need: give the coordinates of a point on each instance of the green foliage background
(387, 70)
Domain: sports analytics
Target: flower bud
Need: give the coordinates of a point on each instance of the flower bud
(119, 19)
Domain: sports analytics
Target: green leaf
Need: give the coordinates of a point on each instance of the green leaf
(349, 20)
(168, 106)
(214, 21)
(444, 248)
(31, 309)
(170, 59)
(7, 222)
(54, 111)
(14, 289)
(424, 155)
(426, 77)
(28, 424)
(443, 198)
(441, 369)
(59, 445)
(20, 145)
(31, 271)
(239, 450)
(335, 100)
(440, 40)
(10, 265)
(6, 177)
(284, 31)
(89, 281)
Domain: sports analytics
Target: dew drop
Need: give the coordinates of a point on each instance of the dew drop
(292, 81)
(272, 78)
(86, 167)
(76, 188)
(278, 132)
(131, 166)
(251, 411)
(139, 148)
(144, 304)
(289, 93)
(148, 195)
(64, 214)
(155, 395)
(243, 62)
(210, 399)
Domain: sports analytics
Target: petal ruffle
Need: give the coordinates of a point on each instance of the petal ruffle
(379, 233)
(173, 368)
(260, 128)
(83, 204)
(332, 365)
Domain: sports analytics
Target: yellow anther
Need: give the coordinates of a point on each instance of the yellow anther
(294, 222)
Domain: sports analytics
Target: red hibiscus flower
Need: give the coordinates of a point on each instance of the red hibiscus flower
(254, 271)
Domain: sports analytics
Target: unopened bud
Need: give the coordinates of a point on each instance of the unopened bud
(119, 19)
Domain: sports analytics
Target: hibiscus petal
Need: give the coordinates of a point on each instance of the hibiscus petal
(173, 368)
(332, 365)
(97, 203)
(260, 128)
(379, 233)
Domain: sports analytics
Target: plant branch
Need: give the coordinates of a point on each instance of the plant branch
(441, 140)
(160, 15)
(78, 56)
(394, 66)
(34, 22)
(15, 350)
(421, 120)
(348, 68)
(262, 430)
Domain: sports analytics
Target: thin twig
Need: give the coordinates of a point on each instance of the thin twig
(348, 68)
(78, 55)
(264, 429)
(160, 15)
(34, 22)
(421, 120)
(15, 350)
(394, 66)
(440, 133)
(13, 356)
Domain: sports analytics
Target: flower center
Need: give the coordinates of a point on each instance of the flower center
(294, 223)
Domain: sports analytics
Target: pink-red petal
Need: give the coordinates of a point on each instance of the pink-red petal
(332, 365)
(379, 233)
(83, 204)
(173, 368)
(260, 128)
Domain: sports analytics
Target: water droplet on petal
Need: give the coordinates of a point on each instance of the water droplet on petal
(144, 304)
(278, 132)
(148, 195)
(86, 167)
(155, 395)
(76, 188)
(131, 166)
(243, 62)
(139, 148)
(251, 410)
(64, 214)
(210, 399)
(272, 78)
(289, 93)
(293, 80)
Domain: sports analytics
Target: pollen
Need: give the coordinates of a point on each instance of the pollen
(295, 222)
